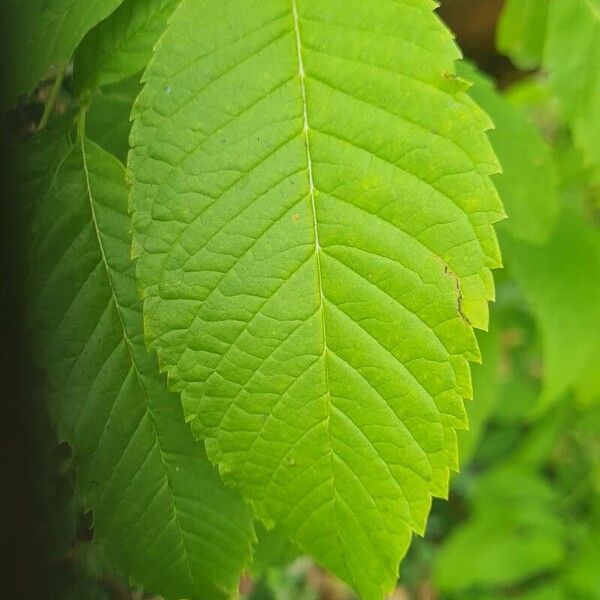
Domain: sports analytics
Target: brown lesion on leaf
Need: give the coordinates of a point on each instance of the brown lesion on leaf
(459, 295)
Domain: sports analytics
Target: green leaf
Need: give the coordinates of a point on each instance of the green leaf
(313, 219)
(572, 57)
(38, 158)
(536, 591)
(528, 183)
(561, 281)
(273, 551)
(514, 534)
(108, 123)
(543, 591)
(121, 45)
(160, 509)
(521, 32)
(581, 574)
(45, 33)
(485, 394)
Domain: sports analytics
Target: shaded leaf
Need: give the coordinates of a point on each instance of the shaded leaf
(485, 394)
(528, 182)
(572, 58)
(160, 510)
(108, 120)
(273, 551)
(45, 33)
(561, 281)
(121, 45)
(514, 534)
(521, 32)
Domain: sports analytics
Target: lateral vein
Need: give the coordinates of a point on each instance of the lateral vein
(311, 181)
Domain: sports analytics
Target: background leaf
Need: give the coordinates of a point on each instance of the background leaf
(121, 45)
(485, 393)
(561, 281)
(108, 122)
(521, 32)
(159, 508)
(45, 33)
(528, 182)
(572, 58)
(514, 535)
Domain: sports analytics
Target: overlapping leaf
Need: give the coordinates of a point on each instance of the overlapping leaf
(121, 45)
(45, 33)
(561, 280)
(312, 214)
(514, 535)
(159, 507)
(521, 32)
(273, 551)
(572, 57)
(528, 182)
(108, 121)
(485, 391)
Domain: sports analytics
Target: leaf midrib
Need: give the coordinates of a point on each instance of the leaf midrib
(311, 184)
(130, 350)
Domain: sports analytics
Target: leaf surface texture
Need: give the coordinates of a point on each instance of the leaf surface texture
(159, 507)
(312, 216)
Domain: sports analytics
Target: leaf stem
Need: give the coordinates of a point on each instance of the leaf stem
(51, 101)
(81, 122)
